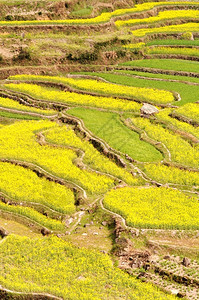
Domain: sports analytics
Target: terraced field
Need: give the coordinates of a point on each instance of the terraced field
(99, 172)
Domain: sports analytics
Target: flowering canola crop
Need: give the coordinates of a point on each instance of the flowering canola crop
(144, 94)
(177, 146)
(19, 142)
(66, 136)
(53, 266)
(172, 50)
(154, 207)
(168, 174)
(24, 185)
(162, 16)
(190, 27)
(33, 215)
(189, 110)
(68, 98)
(104, 17)
(11, 104)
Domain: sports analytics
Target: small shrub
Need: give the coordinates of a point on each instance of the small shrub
(187, 36)
(24, 54)
(83, 58)
(9, 18)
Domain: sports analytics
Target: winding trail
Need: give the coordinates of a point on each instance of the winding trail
(114, 214)
(27, 296)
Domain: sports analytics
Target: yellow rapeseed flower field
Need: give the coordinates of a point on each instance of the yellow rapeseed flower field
(162, 16)
(23, 185)
(19, 142)
(68, 98)
(104, 17)
(54, 266)
(154, 207)
(187, 27)
(12, 104)
(177, 146)
(66, 136)
(138, 93)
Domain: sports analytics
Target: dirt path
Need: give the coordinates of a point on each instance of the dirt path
(36, 296)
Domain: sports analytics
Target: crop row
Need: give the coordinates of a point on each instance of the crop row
(68, 98)
(18, 116)
(53, 266)
(169, 78)
(178, 147)
(24, 185)
(32, 215)
(134, 46)
(190, 272)
(165, 174)
(19, 142)
(190, 110)
(187, 27)
(11, 104)
(143, 94)
(104, 17)
(66, 136)
(173, 50)
(173, 42)
(166, 64)
(188, 93)
(154, 207)
(165, 50)
(108, 127)
(162, 16)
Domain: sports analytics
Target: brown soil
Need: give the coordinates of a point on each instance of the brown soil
(6, 53)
